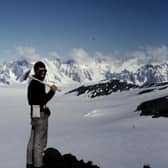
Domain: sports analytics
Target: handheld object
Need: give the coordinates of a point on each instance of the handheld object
(27, 75)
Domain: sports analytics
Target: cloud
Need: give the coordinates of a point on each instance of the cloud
(81, 56)
(149, 55)
(130, 60)
(159, 54)
(20, 52)
(97, 60)
(27, 52)
(53, 54)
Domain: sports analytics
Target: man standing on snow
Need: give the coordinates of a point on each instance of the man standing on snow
(37, 99)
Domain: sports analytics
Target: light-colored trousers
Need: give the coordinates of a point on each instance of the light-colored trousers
(38, 140)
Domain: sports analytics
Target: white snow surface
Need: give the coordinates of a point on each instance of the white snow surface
(105, 129)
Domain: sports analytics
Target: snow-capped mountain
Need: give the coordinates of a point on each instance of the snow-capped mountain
(72, 71)
(146, 74)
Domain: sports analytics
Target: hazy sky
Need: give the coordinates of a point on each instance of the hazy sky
(106, 26)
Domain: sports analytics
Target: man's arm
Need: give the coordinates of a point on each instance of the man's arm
(37, 94)
(51, 93)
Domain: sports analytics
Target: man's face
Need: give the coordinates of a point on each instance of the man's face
(41, 73)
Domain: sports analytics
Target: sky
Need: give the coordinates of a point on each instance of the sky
(57, 27)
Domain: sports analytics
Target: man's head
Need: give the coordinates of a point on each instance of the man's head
(40, 70)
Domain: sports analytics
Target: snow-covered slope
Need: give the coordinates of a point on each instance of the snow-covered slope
(73, 71)
(106, 129)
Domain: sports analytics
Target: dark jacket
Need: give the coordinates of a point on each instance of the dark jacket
(37, 94)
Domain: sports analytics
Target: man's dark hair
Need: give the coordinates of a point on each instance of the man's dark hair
(37, 65)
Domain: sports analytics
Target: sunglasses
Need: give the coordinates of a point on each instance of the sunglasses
(42, 71)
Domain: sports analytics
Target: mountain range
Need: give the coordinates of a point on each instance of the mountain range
(71, 71)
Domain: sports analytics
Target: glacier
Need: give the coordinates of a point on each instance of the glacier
(106, 129)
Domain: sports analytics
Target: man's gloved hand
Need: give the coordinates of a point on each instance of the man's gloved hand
(53, 88)
(47, 111)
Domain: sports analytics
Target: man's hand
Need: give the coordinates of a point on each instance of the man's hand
(53, 88)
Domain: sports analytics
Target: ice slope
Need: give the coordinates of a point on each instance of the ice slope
(105, 130)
